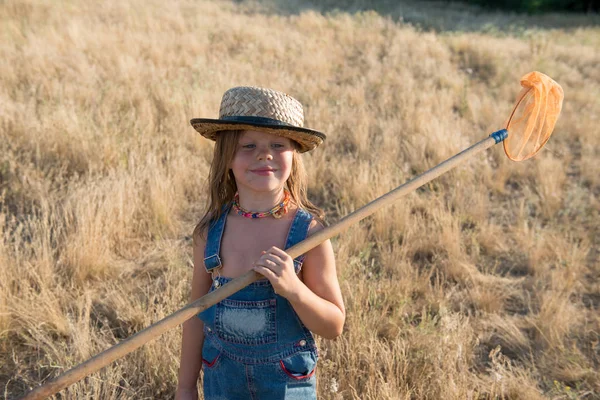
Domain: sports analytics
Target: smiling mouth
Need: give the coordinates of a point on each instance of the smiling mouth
(262, 171)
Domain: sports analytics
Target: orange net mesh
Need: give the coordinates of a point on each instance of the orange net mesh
(533, 118)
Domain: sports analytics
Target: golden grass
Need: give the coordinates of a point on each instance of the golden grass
(482, 284)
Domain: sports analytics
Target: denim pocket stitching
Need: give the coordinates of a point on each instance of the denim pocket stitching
(212, 364)
(287, 374)
(297, 378)
(269, 306)
(217, 358)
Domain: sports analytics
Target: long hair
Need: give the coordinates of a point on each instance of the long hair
(222, 186)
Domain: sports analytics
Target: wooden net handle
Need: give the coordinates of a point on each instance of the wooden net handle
(137, 340)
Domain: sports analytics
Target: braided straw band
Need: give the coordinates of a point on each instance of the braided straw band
(249, 108)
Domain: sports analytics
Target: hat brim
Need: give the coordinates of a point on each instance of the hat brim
(308, 139)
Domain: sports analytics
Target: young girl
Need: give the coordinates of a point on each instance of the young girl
(258, 343)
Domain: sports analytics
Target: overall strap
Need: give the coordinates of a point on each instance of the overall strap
(212, 261)
(298, 232)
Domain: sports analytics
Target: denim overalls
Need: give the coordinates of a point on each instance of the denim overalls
(255, 346)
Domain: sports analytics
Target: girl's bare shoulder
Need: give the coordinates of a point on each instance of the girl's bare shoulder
(316, 224)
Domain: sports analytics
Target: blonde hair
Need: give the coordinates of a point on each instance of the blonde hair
(222, 186)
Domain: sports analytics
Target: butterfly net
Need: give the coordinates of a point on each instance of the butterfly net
(534, 116)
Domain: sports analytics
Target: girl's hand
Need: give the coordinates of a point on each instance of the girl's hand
(278, 267)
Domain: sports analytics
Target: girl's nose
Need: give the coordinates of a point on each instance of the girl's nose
(264, 153)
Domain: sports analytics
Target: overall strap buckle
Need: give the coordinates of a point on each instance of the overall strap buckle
(213, 265)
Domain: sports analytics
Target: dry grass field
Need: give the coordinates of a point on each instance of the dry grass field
(484, 284)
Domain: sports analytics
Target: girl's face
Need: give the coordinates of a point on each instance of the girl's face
(262, 162)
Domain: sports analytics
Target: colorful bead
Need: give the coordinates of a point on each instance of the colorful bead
(277, 212)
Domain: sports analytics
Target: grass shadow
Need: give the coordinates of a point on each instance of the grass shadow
(438, 16)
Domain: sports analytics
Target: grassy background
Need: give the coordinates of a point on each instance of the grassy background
(483, 284)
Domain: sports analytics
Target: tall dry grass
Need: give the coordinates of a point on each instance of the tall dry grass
(482, 284)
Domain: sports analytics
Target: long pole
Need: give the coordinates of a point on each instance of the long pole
(137, 340)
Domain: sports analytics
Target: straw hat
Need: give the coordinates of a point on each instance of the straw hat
(261, 109)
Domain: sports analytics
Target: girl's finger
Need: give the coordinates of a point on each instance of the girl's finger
(276, 259)
(271, 265)
(278, 252)
(266, 272)
(268, 264)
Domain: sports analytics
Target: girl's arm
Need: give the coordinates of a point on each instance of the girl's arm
(193, 335)
(317, 299)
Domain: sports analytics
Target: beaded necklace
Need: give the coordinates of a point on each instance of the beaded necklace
(277, 212)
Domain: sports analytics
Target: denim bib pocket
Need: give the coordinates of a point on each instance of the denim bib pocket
(299, 367)
(247, 322)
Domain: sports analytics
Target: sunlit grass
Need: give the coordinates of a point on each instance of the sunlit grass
(482, 284)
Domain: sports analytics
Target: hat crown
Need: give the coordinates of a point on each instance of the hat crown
(248, 101)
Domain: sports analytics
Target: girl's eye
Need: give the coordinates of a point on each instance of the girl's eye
(248, 146)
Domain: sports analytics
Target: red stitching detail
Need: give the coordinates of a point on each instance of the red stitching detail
(212, 363)
(288, 373)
